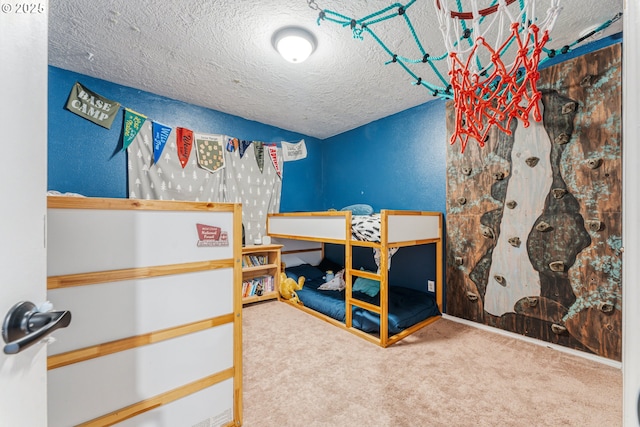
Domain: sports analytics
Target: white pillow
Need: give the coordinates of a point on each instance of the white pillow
(292, 260)
(335, 284)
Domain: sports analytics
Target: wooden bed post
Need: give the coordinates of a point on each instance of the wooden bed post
(439, 270)
(348, 266)
(384, 273)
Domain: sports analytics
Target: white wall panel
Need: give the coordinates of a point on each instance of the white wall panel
(111, 311)
(81, 241)
(90, 389)
(402, 228)
(305, 226)
(212, 406)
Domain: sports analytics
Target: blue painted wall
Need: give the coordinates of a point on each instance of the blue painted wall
(398, 162)
(85, 158)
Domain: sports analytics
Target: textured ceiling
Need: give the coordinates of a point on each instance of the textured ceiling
(218, 54)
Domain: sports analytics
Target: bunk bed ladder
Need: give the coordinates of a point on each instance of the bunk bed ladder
(383, 308)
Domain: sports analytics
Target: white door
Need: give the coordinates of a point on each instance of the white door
(23, 178)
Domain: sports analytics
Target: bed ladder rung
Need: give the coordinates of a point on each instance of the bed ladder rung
(365, 274)
(365, 305)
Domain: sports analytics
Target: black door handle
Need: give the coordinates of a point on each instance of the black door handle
(24, 326)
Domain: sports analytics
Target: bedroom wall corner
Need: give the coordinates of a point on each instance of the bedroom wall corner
(397, 162)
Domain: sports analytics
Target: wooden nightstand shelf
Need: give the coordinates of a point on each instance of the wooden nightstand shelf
(260, 266)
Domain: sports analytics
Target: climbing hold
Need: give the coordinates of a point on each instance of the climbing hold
(461, 200)
(569, 107)
(558, 193)
(532, 161)
(586, 80)
(511, 204)
(594, 163)
(557, 266)
(515, 242)
(532, 301)
(472, 297)
(459, 260)
(605, 307)
(594, 225)
(486, 232)
(543, 226)
(500, 279)
(558, 329)
(563, 138)
(466, 170)
(498, 176)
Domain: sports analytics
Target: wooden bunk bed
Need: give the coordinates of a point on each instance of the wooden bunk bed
(395, 229)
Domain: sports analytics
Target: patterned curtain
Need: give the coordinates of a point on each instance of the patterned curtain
(258, 191)
(241, 180)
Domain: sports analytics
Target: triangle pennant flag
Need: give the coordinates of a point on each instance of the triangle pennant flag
(243, 147)
(132, 123)
(184, 141)
(232, 144)
(210, 151)
(258, 150)
(273, 153)
(160, 136)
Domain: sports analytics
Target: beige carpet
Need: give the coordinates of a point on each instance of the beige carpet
(302, 371)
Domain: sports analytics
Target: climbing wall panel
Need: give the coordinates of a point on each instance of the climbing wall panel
(534, 218)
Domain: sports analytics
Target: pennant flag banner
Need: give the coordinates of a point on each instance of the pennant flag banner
(184, 142)
(294, 150)
(273, 153)
(160, 136)
(92, 106)
(258, 150)
(132, 123)
(232, 144)
(210, 151)
(243, 147)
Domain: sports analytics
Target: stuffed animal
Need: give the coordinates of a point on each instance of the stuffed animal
(288, 288)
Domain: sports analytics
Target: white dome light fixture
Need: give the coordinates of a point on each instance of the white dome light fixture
(295, 44)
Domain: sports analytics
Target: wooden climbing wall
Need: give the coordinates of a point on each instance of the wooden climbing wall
(534, 224)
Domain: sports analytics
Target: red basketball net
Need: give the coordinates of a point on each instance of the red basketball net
(492, 85)
(482, 102)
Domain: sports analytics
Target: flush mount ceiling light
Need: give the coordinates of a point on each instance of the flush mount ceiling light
(295, 44)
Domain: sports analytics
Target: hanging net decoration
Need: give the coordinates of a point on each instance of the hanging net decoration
(490, 84)
(493, 84)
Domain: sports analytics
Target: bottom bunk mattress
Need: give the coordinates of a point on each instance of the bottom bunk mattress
(406, 306)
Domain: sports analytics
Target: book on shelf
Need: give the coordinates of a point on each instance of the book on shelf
(254, 260)
(258, 286)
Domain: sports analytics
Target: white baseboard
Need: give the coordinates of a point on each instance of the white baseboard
(599, 359)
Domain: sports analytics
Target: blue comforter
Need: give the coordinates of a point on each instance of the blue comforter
(406, 306)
